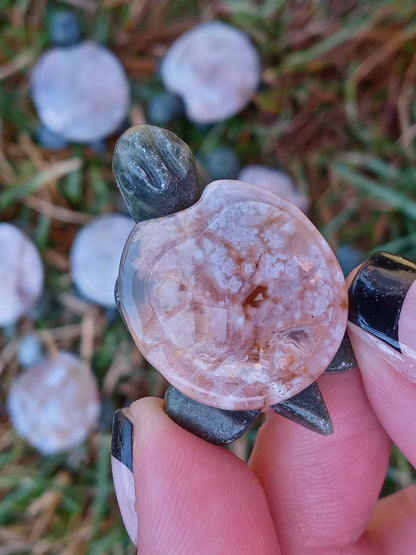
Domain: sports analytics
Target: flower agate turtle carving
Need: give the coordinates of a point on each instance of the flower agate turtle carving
(235, 298)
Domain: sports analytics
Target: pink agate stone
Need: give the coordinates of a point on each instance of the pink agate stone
(21, 274)
(55, 404)
(80, 92)
(238, 301)
(276, 181)
(215, 69)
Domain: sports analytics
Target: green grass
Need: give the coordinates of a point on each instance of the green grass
(337, 111)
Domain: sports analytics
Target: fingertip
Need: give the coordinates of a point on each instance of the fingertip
(391, 395)
(351, 276)
(192, 496)
(321, 489)
(392, 525)
(381, 327)
(146, 413)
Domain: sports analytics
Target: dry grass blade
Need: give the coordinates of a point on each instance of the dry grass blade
(56, 212)
(20, 61)
(38, 181)
(336, 110)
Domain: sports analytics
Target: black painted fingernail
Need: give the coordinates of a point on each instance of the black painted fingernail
(122, 468)
(217, 426)
(377, 293)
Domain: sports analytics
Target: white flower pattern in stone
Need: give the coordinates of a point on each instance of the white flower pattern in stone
(236, 297)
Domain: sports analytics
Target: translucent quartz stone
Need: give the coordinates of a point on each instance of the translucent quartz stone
(21, 274)
(80, 92)
(277, 182)
(95, 257)
(215, 68)
(55, 404)
(238, 301)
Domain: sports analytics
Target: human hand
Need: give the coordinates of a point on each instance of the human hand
(300, 493)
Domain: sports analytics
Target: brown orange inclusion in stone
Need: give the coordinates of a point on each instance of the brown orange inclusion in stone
(238, 300)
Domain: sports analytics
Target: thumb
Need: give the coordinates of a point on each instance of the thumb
(191, 497)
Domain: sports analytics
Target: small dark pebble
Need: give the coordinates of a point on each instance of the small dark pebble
(64, 29)
(29, 351)
(222, 163)
(43, 306)
(164, 107)
(105, 419)
(217, 426)
(203, 127)
(111, 314)
(98, 146)
(9, 330)
(49, 139)
(348, 258)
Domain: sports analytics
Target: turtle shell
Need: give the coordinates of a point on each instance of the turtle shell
(238, 300)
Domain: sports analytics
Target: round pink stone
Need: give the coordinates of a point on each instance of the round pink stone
(55, 404)
(238, 301)
(21, 274)
(277, 182)
(80, 92)
(215, 68)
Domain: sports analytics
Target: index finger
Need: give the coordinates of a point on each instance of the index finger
(321, 489)
(382, 329)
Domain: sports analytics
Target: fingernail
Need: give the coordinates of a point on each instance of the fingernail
(382, 308)
(122, 467)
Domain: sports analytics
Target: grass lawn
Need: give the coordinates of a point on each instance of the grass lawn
(336, 110)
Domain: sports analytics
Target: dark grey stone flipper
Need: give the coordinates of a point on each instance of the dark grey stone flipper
(308, 409)
(217, 426)
(344, 359)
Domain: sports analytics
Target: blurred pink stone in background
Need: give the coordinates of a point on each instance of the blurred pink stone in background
(276, 181)
(238, 301)
(95, 257)
(21, 274)
(80, 92)
(55, 404)
(215, 68)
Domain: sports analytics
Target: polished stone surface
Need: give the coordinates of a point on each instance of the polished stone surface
(80, 92)
(215, 68)
(55, 404)
(308, 409)
(21, 274)
(238, 301)
(155, 172)
(214, 425)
